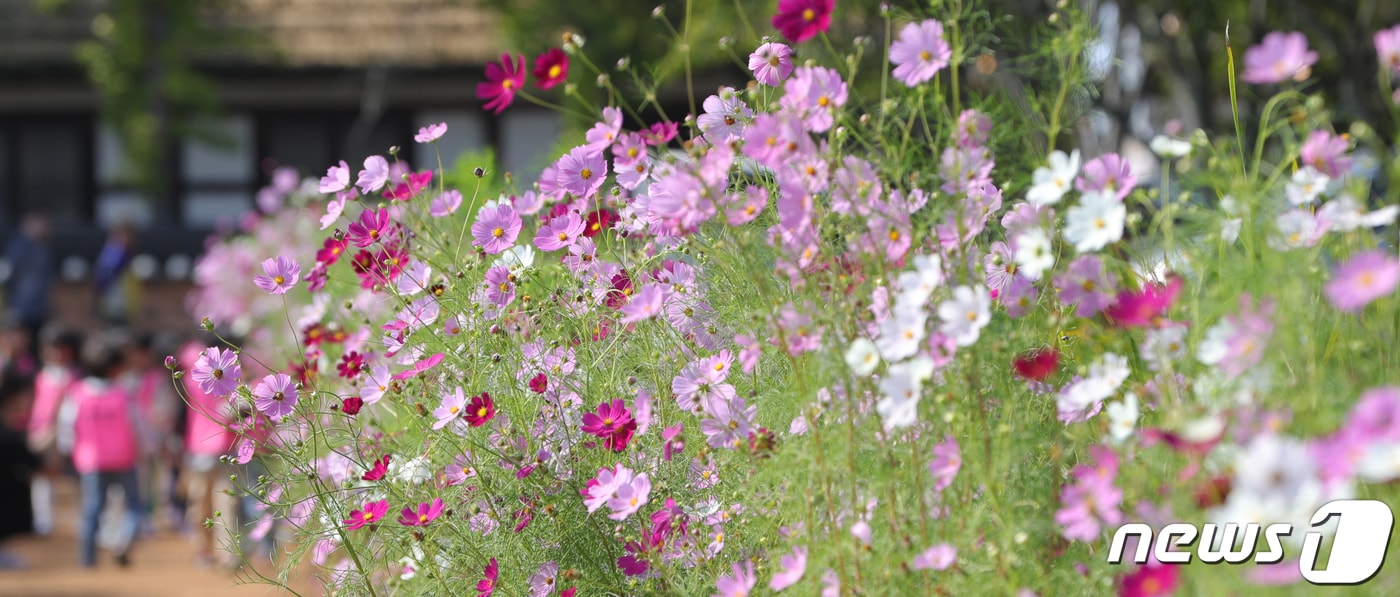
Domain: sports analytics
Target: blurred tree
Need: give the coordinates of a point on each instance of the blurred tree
(142, 59)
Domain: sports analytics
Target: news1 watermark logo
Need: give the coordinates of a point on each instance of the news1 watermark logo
(1359, 543)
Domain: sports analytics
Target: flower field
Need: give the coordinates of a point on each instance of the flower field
(838, 331)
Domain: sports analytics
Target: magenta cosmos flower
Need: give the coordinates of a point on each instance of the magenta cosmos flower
(551, 68)
(502, 81)
(372, 226)
(1280, 57)
(496, 228)
(280, 274)
(486, 586)
(920, 52)
(801, 20)
(276, 396)
(426, 513)
(610, 417)
(771, 63)
(1365, 278)
(217, 372)
(372, 512)
(581, 171)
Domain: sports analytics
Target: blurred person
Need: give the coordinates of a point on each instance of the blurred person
(15, 346)
(58, 351)
(30, 284)
(115, 291)
(149, 382)
(208, 437)
(17, 464)
(100, 427)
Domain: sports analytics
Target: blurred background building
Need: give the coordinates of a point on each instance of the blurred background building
(317, 81)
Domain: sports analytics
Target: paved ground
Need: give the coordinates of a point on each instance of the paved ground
(162, 566)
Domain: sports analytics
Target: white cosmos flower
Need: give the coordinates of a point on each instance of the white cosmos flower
(901, 334)
(1122, 417)
(1170, 147)
(1306, 185)
(862, 357)
(965, 314)
(1049, 184)
(1096, 222)
(518, 257)
(1161, 346)
(1345, 214)
(1033, 254)
(1296, 229)
(901, 389)
(917, 285)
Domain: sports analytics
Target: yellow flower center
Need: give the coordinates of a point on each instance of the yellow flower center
(481, 412)
(823, 101)
(894, 235)
(809, 15)
(563, 236)
(1100, 224)
(279, 280)
(1367, 279)
(422, 518)
(925, 56)
(498, 232)
(608, 421)
(218, 374)
(454, 410)
(508, 84)
(774, 61)
(368, 516)
(972, 316)
(555, 71)
(585, 173)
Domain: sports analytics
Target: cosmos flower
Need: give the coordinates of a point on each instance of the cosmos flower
(280, 274)
(276, 396)
(771, 63)
(1364, 278)
(217, 371)
(551, 68)
(424, 514)
(503, 79)
(1278, 58)
(372, 512)
(496, 228)
(919, 52)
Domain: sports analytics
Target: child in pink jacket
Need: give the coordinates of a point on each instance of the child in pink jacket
(208, 435)
(99, 425)
(58, 348)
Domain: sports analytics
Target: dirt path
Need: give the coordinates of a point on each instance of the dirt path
(162, 566)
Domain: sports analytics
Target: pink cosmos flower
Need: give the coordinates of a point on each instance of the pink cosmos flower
(604, 133)
(375, 174)
(1327, 153)
(973, 128)
(771, 63)
(276, 396)
(559, 232)
(372, 512)
(793, 566)
(947, 460)
(660, 133)
(630, 497)
(280, 274)
(1250, 331)
(581, 172)
(452, 408)
(1108, 172)
(725, 116)
(644, 304)
(217, 371)
(729, 424)
(486, 586)
(601, 488)
(372, 226)
(445, 204)
(496, 228)
(426, 513)
(1376, 415)
(334, 208)
(801, 20)
(938, 557)
(1086, 283)
(500, 287)
(419, 367)
(920, 52)
(749, 352)
(502, 81)
(551, 68)
(1090, 499)
(377, 472)
(431, 133)
(1278, 58)
(337, 179)
(815, 93)
(1364, 278)
(741, 581)
(1388, 49)
(543, 583)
